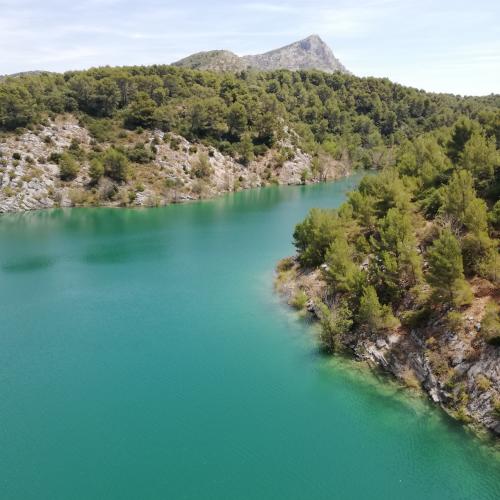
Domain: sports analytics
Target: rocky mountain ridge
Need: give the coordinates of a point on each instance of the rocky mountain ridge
(310, 53)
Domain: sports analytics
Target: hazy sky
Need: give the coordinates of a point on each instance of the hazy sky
(439, 45)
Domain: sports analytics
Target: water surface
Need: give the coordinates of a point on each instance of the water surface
(143, 354)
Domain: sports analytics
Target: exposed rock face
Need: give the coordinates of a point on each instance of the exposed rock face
(310, 53)
(29, 177)
(31, 182)
(457, 369)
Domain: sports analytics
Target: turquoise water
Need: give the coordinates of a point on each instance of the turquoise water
(143, 354)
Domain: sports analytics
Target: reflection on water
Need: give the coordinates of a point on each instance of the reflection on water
(28, 264)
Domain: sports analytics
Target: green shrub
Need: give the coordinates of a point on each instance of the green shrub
(372, 314)
(139, 154)
(335, 323)
(496, 409)
(175, 142)
(101, 130)
(483, 382)
(490, 325)
(201, 168)
(417, 318)
(96, 170)
(285, 264)
(299, 300)
(68, 167)
(54, 157)
(455, 321)
(116, 165)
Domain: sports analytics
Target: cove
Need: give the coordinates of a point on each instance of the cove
(144, 354)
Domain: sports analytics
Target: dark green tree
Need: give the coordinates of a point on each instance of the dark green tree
(480, 157)
(237, 120)
(446, 268)
(246, 149)
(17, 107)
(341, 273)
(461, 133)
(335, 323)
(68, 167)
(140, 112)
(116, 165)
(371, 314)
(458, 196)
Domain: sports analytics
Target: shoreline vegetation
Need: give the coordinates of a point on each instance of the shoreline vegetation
(153, 135)
(406, 273)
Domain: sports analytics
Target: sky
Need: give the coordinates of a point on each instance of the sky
(440, 45)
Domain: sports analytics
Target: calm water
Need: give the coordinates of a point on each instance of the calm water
(144, 355)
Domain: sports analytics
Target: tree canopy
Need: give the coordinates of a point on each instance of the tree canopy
(358, 117)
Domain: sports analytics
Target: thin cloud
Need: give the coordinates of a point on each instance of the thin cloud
(268, 7)
(451, 45)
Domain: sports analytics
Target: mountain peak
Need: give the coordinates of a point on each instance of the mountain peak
(312, 43)
(314, 38)
(310, 53)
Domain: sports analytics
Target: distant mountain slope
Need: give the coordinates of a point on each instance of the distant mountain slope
(24, 73)
(213, 60)
(310, 53)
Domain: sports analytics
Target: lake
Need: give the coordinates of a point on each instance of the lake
(144, 355)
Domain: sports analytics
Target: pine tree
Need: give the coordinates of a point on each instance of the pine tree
(334, 324)
(246, 149)
(480, 157)
(341, 270)
(461, 133)
(237, 120)
(372, 314)
(458, 196)
(446, 269)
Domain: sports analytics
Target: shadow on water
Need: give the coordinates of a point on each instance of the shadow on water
(127, 252)
(28, 264)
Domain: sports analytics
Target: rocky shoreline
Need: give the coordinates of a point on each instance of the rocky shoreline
(457, 370)
(30, 177)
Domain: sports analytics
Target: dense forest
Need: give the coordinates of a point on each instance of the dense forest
(413, 255)
(243, 114)
(415, 233)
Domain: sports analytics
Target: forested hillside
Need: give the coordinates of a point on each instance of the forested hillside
(407, 273)
(230, 111)
(128, 125)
